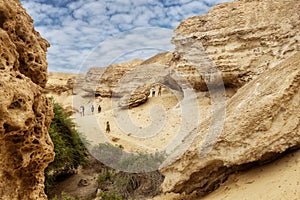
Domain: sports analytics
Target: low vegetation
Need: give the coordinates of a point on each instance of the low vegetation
(137, 176)
(129, 176)
(115, 157)
(70, 151)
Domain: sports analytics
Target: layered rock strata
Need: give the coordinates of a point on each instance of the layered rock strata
(240, 40)
(262, 120)
(129, 83)
(254, 45)
(25, 113)
(103, 81)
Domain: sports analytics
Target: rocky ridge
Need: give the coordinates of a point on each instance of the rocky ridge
(236, 41)
(25, 113)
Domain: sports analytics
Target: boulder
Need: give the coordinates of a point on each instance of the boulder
(135, 99)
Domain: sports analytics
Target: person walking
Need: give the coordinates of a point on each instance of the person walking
(153, 91)
(159, 90)
(92, 108)
(107, 130)
(99, 109)
(81, 110)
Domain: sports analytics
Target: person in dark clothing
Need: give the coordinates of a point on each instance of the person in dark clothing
(159, 91)
(99, 109)
(107, 130)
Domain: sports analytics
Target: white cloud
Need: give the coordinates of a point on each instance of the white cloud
(75, 28)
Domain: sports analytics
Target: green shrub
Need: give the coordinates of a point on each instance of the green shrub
(109, 196)
(116, 157)
(65, 196)
(70, 151)
(123, 184)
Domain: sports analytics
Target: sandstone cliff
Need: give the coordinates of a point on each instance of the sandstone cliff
(269, 107)
(25, 113)
(242, 39)
(254, 45)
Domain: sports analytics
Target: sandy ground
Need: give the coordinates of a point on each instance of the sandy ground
(159, 124)
(278, 180)
(274, 181)
(150, 127)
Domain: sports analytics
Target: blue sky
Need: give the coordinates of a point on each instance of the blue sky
(89, 33)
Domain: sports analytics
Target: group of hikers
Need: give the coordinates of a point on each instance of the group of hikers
(81, 110)
(107, 129)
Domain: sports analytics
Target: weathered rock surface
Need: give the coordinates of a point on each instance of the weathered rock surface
(242, 39)
(134, 87)
(91, 80)
(25, 113)
(136, 98)
(59, 83)
(262, 120)
(103, 81)
(130, 82)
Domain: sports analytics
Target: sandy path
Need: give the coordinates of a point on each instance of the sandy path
(158, 125)
(125, 123)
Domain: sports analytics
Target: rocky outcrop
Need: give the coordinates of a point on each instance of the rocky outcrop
(90, 82)
(129, 83)
(136, 98)
(241, 40)
(59, 83)
(269, 107)
(25, 113)
(30, 46)
(102, 81)
(134, 87)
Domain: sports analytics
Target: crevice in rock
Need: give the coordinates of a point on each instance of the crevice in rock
(2, 19)
(9, 128)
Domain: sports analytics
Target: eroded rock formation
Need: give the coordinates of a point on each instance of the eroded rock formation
(25, 113)
(242, 38)
(262, 120)
(255, 46)
(103, 81)
(60, 83)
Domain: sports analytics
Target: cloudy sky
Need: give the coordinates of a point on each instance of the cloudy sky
(88, 33)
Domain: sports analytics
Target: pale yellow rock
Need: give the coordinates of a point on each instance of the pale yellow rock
(242, 39)
(262, 119)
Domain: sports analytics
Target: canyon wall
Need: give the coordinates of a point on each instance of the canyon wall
(262, 121)
(25, 113)
(254, 46)
(241, 40)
